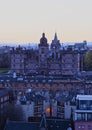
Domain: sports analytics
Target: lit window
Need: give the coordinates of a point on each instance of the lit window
(79, 127)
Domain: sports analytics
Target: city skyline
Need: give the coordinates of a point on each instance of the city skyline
(24, 21)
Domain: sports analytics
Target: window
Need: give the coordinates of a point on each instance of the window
(5, 98)
(81, 127)
(2, 99)
(42, 51)
(79, 116)
(89, 116)
(1, 106)
(89, 127)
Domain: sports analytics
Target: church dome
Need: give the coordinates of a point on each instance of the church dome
(43, 40)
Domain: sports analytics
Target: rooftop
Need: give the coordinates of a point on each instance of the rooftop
(52, 124)
(3, 92)
(84, 97)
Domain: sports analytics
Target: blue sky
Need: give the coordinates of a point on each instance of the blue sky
(24, 21)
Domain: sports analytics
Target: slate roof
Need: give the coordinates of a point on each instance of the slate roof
(89, 77)
(3, 92)
(52, 124)
(58, 124)
(13, 125)
(36, 79)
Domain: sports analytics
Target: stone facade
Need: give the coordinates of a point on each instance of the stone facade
(53, 59)
(4, 101)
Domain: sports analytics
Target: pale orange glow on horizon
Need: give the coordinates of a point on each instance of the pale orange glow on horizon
(23, 21)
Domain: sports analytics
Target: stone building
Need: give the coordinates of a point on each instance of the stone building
(4, 101)
(48, 59)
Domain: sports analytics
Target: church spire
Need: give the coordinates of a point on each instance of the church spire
(55, 38)
(55, 43)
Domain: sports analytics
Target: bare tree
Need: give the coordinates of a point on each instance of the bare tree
(12, 112)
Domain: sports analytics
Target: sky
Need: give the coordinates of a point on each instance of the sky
(24, 21)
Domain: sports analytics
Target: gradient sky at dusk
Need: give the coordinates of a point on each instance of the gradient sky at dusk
(25, 20)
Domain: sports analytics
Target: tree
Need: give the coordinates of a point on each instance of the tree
(4, 60)
(12, 112)
(88, 60)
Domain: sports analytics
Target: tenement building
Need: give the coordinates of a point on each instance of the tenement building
(83, 112)
(49, 59)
